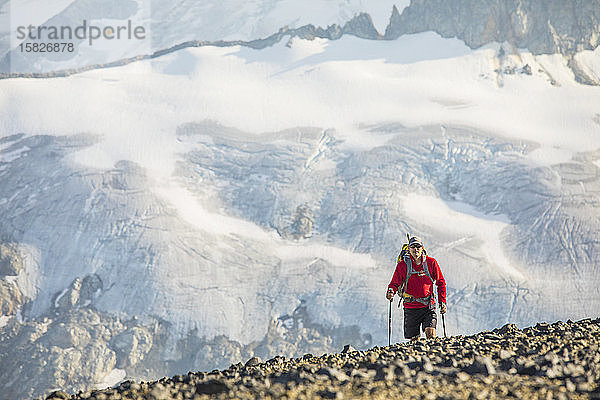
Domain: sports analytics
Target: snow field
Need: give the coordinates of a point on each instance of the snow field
(136, 109)
(168, 24)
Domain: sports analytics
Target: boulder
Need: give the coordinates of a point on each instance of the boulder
(91, 286)
(348, 349)
(253, 362)
(58, 367)
(508, 329)
(11, 298)
(99, 360)
(68, 335)
(302, 226)
(67, 299)
(80, 293)
(11, 262)
(132, 345)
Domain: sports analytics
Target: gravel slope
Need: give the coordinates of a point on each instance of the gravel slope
(546, 361)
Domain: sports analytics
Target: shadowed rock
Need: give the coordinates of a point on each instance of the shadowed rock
(11, 262)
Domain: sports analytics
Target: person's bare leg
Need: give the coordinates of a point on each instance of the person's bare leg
(430, 333)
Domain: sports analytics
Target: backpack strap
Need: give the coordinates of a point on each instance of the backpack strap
(411, 271)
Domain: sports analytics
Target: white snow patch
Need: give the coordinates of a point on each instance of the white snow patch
(354, 139)
(463, 221)
(468, 209)
(596, 163)
(60, 296)
(556, 68)
(547, 156)
(333, 255)
(4, 320)
(282, 53)
(111, 379)
(589, 62)
(407, 49)
(192, 211)
(324, 165)
(29, 278)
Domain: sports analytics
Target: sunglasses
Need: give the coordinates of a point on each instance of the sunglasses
(415, 246)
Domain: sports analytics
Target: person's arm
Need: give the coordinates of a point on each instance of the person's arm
(396, 282)
(440, 282)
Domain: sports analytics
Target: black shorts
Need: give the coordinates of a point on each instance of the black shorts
(414, 318)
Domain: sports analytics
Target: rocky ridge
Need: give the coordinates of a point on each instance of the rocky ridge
(550, 27)
(541, 27)
(11, 265)
(558, 360)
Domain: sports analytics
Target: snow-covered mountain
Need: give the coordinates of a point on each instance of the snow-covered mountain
(191, 210)
(161, 25)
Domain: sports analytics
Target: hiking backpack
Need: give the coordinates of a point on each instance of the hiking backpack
(410, 271)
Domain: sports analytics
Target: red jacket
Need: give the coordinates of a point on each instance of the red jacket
(419, 285)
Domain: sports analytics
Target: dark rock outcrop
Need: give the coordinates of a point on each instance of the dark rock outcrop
(543, 27)
(11, 262)
(11, 298)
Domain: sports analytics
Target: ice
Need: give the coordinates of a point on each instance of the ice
(60, 295)
(333, 255)
(193, 212)
(547, 156)
(115, 376)
(465, 224)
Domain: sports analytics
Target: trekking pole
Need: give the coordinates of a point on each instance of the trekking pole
(444, 324)
(390, 324)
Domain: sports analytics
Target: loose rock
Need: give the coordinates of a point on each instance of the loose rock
(559, 360)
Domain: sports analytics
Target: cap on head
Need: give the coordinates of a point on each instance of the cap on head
(415, 240)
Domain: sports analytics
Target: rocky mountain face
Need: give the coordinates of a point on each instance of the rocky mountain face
(74, 344)
(11, 264)
(542, 27)
(549, 27)
(559, 360)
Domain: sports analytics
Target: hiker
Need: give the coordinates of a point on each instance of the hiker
(417, 291)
